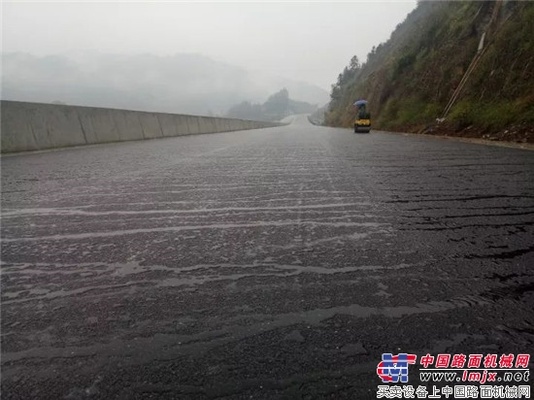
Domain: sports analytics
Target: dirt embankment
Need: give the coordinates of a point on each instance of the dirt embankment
(518, 133)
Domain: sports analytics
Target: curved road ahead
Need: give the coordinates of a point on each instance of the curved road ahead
(267, 264)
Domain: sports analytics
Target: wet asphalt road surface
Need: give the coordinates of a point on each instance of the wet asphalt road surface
(267, 264)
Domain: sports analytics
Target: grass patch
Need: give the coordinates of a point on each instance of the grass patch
(491, 116)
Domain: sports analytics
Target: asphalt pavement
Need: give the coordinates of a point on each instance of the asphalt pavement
(276, 263)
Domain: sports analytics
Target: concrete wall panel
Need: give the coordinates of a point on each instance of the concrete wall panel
(182, 127)
(35, 126)
(103, 125)
(168, 123)
(17, 120)
(192, 124)
(62, 125)
(128, 126)
(150, 125)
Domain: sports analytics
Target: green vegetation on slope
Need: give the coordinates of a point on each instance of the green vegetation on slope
(410, 79)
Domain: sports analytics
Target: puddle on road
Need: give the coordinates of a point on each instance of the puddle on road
(182, 228)
(168, 346)
(128, 276)
(82, 210)
(247, 323)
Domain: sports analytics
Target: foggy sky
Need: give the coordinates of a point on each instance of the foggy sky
(305, 41)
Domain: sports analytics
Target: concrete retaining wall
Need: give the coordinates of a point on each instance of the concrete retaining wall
(36, 126)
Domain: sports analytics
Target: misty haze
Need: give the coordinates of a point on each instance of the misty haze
(183, 83)
(198, 58)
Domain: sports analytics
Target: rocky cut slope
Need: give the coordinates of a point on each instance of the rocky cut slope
(467, 64)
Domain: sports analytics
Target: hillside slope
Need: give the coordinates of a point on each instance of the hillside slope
(411, 79)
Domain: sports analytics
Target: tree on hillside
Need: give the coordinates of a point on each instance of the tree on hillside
(349, 76)
(277, 106)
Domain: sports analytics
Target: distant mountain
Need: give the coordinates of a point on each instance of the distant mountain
(277, 107)
(298, 90)
(182, 83)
